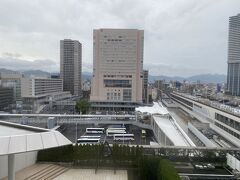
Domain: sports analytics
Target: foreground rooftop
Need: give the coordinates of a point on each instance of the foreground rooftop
(16, 138)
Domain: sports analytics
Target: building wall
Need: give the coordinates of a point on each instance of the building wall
(71, 65)
(12, 81)
(6, 98)
(40, 86)
(233, 78)
(22, 161)
(117, 65)
(228, 125)
(145, 87)
(161, 137)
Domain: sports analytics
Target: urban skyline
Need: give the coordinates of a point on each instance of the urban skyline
(174, 36)
(119, 89)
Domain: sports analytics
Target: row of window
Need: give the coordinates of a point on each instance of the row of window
(228, 130)
(117, 83)
(114, 76)
(105, 36)
(113, 96)
(127, 94)
(230, 122)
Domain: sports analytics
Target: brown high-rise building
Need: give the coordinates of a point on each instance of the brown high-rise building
(117, 65)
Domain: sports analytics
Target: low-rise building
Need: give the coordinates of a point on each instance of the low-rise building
(40, 91)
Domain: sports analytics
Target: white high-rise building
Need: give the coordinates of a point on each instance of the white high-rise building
(117, 65)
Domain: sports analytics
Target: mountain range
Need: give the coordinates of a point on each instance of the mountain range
(203, 78)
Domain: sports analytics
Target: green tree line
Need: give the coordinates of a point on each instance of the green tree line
(149, 166)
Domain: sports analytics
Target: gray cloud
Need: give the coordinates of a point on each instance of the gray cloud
(189, 36)
(11, 55)
(12, 62)
(21, 64)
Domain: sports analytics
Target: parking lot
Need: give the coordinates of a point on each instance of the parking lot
(75, 131)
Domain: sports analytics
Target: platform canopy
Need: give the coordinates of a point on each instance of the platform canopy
(16, 138)
(171, 131)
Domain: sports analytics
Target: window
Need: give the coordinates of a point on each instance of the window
(127, 95)
(117, 83)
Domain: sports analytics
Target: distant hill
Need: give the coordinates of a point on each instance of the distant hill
(2, 70)
(166, 78)
(38, 73)
(203, 78)
(210, 78)
(86, 75)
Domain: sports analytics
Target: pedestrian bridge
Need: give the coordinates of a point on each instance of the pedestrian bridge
(80, 119)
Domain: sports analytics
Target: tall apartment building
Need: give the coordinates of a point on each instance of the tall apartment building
(117, 66)
(233, 76)
(71, 65)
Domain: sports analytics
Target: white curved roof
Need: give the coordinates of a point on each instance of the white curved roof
(15, 138)
(157, 108)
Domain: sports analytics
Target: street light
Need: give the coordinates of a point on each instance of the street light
(76, 133)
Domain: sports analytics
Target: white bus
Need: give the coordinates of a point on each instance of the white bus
(95, 130)
(88, 140)
(123, 137)
(94, 137)
(117, 129)
(112, 132)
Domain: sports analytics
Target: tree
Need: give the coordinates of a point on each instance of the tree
(82, 106)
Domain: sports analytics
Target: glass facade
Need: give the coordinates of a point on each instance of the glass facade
(117, 83)
(233, 79)
(233, 82)
(127, 95)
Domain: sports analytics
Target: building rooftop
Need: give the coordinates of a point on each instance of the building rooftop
(214, 104)
(157, 108)
(171, 131)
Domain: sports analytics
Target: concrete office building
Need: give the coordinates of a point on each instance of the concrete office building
(117, 66)
(40, 86)
(233, 76)
(39, 91)
(71, 65)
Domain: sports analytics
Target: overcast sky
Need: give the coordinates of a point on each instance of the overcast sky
(182, 37)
